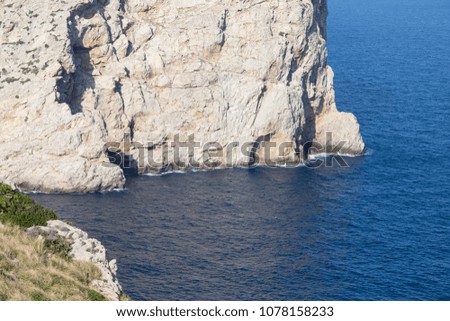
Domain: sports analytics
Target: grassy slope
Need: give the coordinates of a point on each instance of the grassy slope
(30, 269)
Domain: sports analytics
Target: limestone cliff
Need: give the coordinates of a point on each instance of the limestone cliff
(77, 75)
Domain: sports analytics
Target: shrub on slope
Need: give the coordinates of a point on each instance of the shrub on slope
(19, 209)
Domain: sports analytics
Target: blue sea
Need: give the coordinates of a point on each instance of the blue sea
(376, 230)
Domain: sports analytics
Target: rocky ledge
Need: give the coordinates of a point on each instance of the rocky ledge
(84, 248)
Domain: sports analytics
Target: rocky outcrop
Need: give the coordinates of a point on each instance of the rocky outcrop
(87, 249)
(140, 77)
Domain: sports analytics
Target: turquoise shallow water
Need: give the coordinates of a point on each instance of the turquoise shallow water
(377, 230)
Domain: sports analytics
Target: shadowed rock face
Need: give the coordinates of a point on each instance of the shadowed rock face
(78, 75)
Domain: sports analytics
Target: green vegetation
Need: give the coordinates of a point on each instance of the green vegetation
(37, 296)
(38, 269)
(19, 209)
(60, 247)
(95, 296)
(28, 271)
(124, 297)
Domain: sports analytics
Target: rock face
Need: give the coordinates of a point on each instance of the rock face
(85, 249)
(140, 76)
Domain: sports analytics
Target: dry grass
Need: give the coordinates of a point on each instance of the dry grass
(29, 272)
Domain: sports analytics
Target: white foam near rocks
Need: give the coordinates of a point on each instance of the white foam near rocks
(87, 73)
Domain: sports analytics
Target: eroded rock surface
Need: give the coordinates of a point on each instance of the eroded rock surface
(79, 74)
(84, 249)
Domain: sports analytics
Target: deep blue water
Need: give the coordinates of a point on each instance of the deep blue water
(378, 230)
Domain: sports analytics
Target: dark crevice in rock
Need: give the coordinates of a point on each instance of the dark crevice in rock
(259, 100)
(132, 124)
(122, 6)
(223, 27)
(124, 160)
(309, 126)
(64, 87)
(127, 72)
(82, 80)
(129, 49)
(320, 16)
(253, 157)
(293, 68)
(117, 87)
(118, 90)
